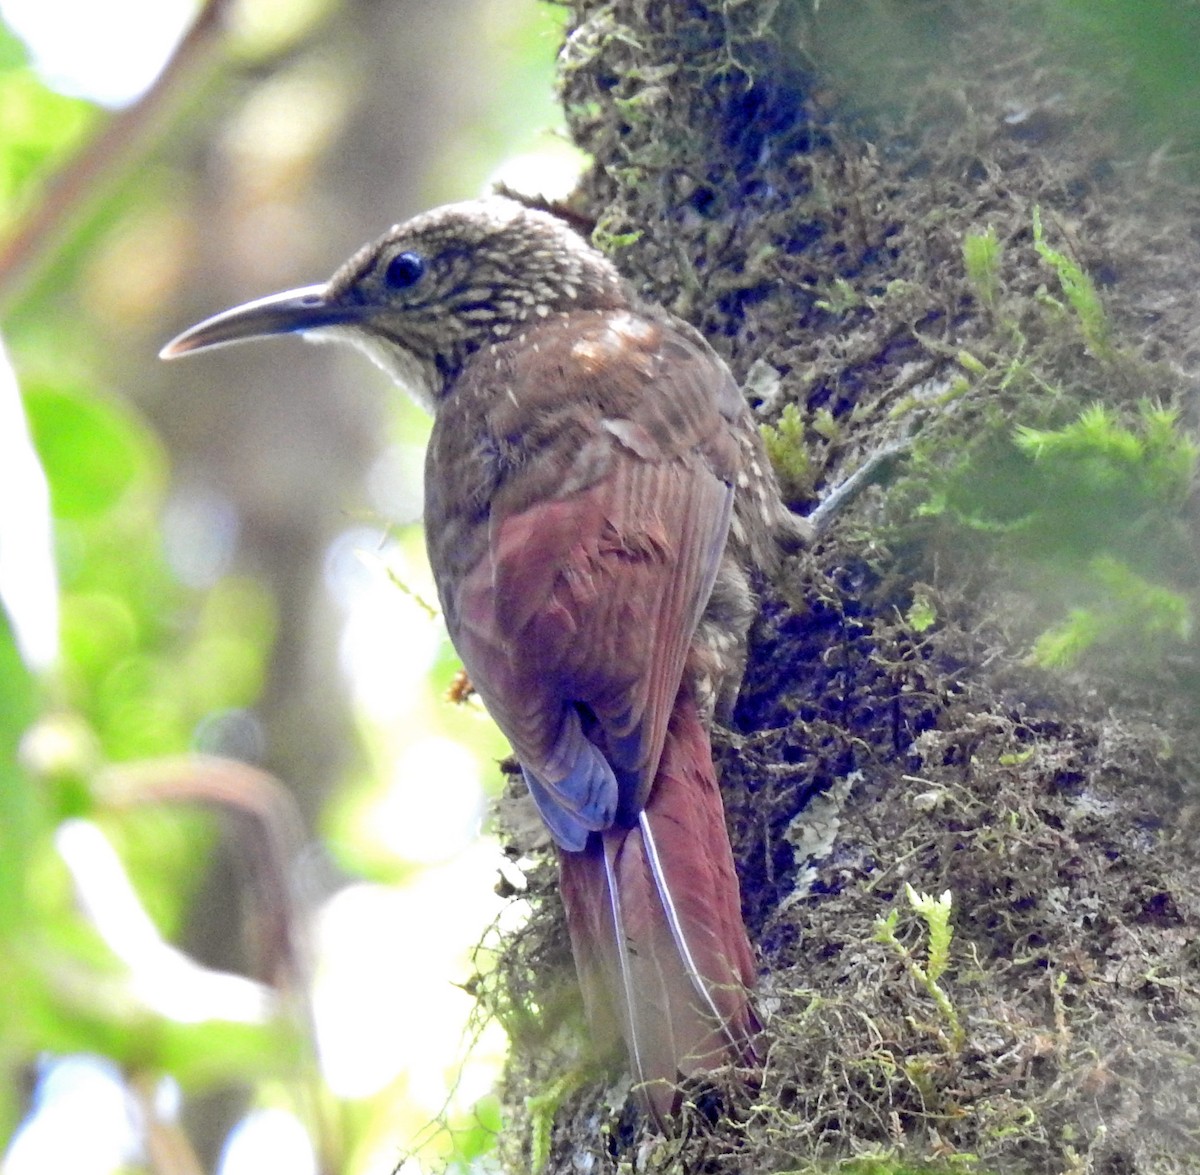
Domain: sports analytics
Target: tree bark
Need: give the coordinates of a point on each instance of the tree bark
(925, 706)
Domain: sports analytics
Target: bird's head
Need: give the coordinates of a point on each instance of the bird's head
(430, 292)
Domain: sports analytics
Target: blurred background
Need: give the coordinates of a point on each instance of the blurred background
(223, 555)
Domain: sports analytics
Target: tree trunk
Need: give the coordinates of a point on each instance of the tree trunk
(920, 224)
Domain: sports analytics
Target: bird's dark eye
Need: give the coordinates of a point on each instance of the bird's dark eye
(404, 270)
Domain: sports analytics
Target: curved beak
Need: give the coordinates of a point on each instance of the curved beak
(292, 312)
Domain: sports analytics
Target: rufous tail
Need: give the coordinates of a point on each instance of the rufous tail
(654, 913)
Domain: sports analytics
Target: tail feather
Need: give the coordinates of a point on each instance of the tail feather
(655, 921)
(726, 1013)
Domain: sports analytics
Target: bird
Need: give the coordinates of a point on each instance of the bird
(599, 509)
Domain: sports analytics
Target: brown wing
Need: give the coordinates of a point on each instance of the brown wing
(607, 521)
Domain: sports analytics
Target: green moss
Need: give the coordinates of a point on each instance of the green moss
(885, 1165)
(609, 240)
(1090, 511)
(982, 252)
(910, 187)
(922, 613)
(786, 447)
(935, 913)
(1080, 292)
(840, 297)
(1128, 606)
(542, 1108)
(1148, 464)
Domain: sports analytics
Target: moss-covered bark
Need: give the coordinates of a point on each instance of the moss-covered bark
(983, 682)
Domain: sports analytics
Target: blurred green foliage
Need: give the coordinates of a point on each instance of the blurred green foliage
(1149, 52)
(140, 679)
(41, 129)
(145, 659)
(1090, 513)
(142, 661)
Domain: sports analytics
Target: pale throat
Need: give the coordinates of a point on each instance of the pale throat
(418, 377)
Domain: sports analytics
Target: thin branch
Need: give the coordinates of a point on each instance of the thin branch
(168, 1148)
(104, 157)
(271, 837)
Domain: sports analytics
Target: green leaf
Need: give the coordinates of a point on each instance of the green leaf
(94, 450)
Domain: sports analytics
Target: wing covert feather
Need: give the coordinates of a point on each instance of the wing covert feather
(608, 516)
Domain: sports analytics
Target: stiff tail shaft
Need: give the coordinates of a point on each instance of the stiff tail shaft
(655, 919)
